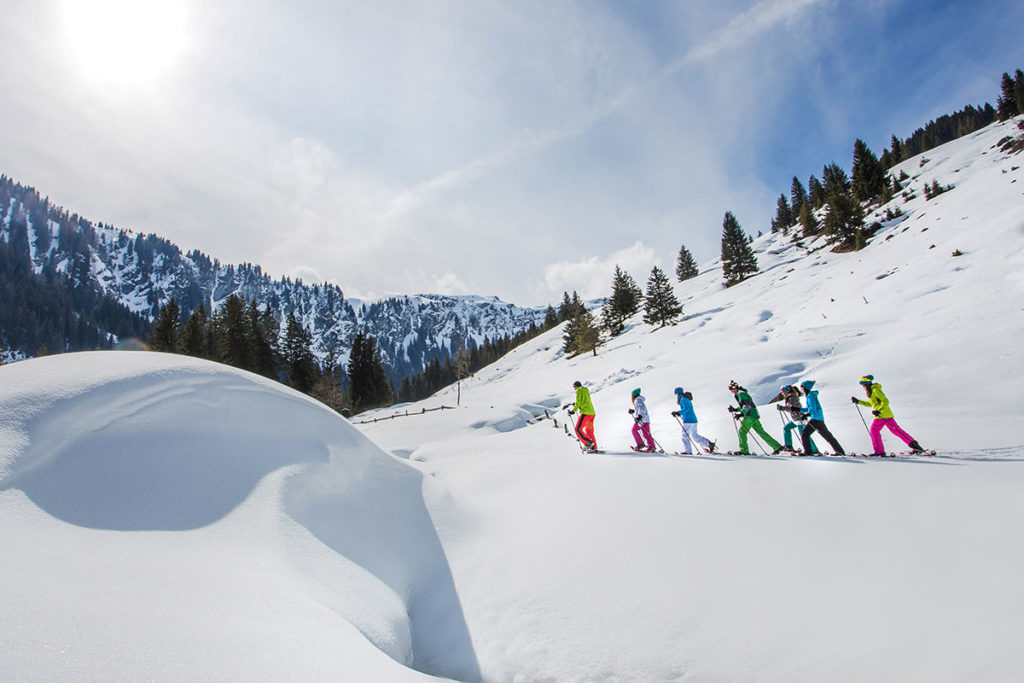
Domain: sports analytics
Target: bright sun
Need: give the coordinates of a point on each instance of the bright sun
(125, 42)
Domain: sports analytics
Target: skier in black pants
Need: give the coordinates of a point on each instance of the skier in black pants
(816, 421)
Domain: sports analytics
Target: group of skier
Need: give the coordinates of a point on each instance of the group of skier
(799, 403)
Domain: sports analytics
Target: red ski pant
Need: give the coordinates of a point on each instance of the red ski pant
(585, 430)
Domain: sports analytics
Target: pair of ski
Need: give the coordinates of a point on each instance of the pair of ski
(900, 454)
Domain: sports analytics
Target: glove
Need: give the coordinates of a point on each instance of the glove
(805, 416)
(631, 411)
(781, 408)
(638, 420)
(675, 413)
(571, 413)
(566, 406)
(854, 399)
(732, 409)
(876, 413)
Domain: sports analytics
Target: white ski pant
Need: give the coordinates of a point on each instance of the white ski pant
(690, 434)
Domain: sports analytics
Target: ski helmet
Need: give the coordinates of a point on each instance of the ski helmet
(636, 392)
(576, 384)
(867, 379)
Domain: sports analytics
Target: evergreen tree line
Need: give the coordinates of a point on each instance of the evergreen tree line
(468, 360)
(840, 200)
(585, 332)
(51, 311)
(244, 336)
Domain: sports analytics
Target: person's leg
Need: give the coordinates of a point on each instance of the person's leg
(805, 437)
(775, 445)
(646, 430)
(744, 428)
(636, 435)
(691, 430)
(583, 425)
(787, 433)
(686, 440)
(832, 441)
(899, 431)
(876, 436)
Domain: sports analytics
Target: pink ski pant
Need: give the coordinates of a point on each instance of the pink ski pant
(876, 433)
(644, 429)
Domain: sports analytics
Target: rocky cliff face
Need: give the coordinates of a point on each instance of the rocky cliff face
(130, 276)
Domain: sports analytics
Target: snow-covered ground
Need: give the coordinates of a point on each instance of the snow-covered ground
(165, 518)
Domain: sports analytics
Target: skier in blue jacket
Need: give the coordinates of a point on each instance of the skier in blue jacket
(688, 419)
(816, 420)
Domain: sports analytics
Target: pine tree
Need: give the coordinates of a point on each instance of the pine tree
(797, 197)
(565, 309)
(815, 193)
(263, 333)
(300, 366)
(738, 259)
(368, 385)
(328, 389)
(896, 151)
(868, 174)
(686, 266)
(1018, 90)
(164, 336)
(623, 303)
(585, 335)
(1007, 103)
(195, 336)
(808, 221)
(232, 334)
(571, 335)
(844, 216)
(783, 216)
(661, 307)
(550, 317)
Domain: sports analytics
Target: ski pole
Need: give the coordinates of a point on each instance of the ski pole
(757, 441)
(687, 436)
(863, 421)
(693, 441)
(735, 427)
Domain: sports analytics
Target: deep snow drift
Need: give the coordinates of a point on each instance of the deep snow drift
(164, 518)
(169, 518)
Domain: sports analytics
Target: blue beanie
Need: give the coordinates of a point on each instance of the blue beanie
(636, 392)
(678, 390)
(807, 384)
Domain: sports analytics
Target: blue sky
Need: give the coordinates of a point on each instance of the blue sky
(496, 148)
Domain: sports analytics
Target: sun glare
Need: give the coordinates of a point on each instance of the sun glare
(125, 42)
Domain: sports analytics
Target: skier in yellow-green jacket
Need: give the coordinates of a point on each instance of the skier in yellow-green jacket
(879, 404)
(585, 423)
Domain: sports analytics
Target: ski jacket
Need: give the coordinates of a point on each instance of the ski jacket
(879, 402)
(640, 409)
(814, 407)
(793, 406)
(583, 403)
(686, 413)
(747, 406)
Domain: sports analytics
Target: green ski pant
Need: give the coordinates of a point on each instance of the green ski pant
(749, 423)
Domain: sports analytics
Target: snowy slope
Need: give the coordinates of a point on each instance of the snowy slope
(619, 568)
(164, 518)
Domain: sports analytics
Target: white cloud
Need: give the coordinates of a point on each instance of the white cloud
(592, 277)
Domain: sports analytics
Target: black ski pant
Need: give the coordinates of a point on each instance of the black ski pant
(819, 426)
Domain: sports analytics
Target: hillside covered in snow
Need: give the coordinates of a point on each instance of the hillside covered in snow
(168, 518)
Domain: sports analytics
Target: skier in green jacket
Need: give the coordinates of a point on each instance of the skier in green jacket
(585, 424)
(749, 419)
